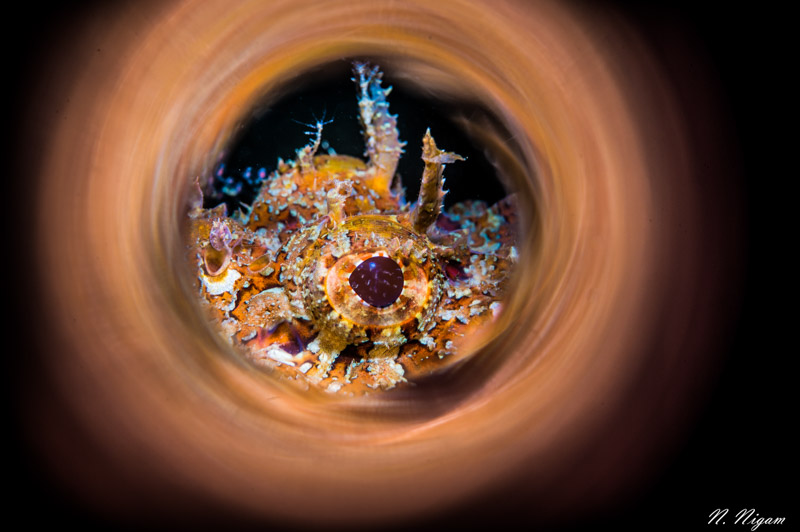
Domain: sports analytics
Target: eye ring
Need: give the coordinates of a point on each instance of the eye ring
(335, 305)
(349, 305)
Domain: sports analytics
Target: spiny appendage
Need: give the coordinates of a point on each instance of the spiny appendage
(431, 193)
(384, 146)
(305, 155)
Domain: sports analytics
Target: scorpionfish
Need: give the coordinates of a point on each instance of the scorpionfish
(332, 280)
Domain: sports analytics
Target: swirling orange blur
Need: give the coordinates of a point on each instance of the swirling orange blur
(571, 406)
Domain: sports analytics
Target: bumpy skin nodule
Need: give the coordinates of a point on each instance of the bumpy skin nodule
(277, 279)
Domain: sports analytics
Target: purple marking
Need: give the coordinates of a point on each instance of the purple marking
(378, 281)
(446, 223)
(454, 271)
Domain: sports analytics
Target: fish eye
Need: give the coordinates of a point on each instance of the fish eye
(378, 281)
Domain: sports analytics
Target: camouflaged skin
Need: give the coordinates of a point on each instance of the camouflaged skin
(275, 278)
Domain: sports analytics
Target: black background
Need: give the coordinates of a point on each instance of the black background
(738, 453)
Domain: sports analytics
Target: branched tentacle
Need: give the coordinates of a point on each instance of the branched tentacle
(305, 155)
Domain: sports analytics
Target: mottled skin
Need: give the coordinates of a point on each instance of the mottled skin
(276, 278)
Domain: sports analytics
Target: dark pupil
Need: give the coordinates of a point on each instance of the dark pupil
(378, 281)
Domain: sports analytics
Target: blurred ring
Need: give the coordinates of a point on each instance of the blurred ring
(607, 292)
